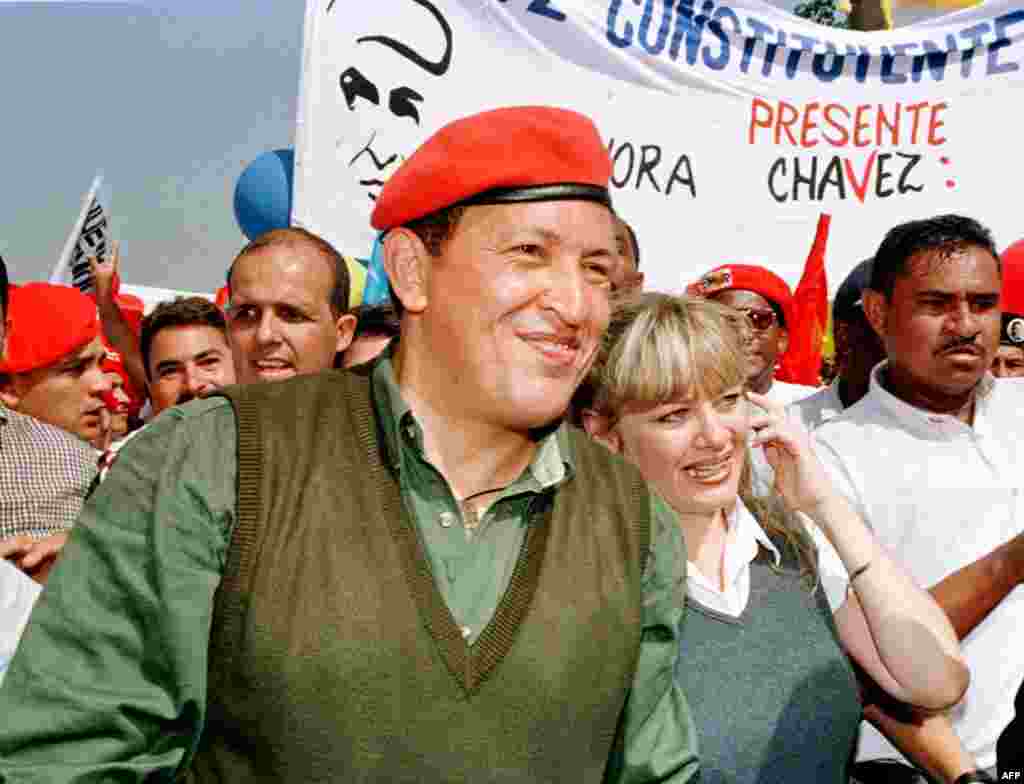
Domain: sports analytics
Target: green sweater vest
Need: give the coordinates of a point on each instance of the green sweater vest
(333, 656)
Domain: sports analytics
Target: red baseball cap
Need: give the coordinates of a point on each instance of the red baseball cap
(516, 154)
(746, 277)
(48, 322)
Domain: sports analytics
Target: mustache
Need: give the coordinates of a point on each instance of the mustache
(962, 343)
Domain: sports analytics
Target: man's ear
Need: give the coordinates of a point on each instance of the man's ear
(407, 264)
(783, 341)
(10, 391)
(876, 310)
(601, 428)
(345, 324)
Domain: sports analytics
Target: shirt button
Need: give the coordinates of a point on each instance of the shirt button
(447, 519)
(466, 631)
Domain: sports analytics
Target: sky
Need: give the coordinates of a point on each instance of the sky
(170, 99)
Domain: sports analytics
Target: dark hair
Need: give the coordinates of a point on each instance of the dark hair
(179, 312)
(339, 296)
(4, 294)
(632, 239)
(948, 234)
(377, 320)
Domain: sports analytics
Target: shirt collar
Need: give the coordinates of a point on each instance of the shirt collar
(3, 414)
(744, 530)
(927, 424)
(552, 463)
(832, 403)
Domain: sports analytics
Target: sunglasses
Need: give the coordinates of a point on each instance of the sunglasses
(761, 320)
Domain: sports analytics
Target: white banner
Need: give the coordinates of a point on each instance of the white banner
(732, 124)
(90, 236)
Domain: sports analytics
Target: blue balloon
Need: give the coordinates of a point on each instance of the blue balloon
(263, 194)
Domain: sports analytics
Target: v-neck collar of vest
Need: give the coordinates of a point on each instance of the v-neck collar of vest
(469, 665)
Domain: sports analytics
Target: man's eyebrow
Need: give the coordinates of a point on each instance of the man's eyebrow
(437, 69)
(210, 352)
(167, 364)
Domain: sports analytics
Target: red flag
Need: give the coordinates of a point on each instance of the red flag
(801, 364)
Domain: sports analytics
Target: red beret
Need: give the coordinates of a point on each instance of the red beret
(1012, 299)
(48, 322)
(524, 153)
(746, 277)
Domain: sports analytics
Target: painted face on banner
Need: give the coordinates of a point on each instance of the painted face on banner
(386, 85)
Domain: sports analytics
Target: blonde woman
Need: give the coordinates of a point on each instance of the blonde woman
(768, 634)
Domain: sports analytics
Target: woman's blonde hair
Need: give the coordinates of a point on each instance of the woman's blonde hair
(659, 347)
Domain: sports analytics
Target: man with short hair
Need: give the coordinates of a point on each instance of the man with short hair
(767, 302)
(185, 351)
(376, 327)
(371, 569)
(931, 454)
(858, 350)
(50, 400)
(53, 367)
(288, 306)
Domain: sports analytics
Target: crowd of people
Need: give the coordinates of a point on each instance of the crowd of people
(527, 521)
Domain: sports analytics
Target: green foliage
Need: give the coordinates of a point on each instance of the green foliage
(823, 12)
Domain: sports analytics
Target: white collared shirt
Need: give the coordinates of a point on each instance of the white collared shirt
(784, 393)
(940, 494)
(743, 539)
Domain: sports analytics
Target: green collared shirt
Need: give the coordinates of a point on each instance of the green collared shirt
(110, 677)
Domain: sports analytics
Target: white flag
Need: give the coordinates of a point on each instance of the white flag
(90, 236)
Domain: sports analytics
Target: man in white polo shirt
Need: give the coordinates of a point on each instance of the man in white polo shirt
(931, 455)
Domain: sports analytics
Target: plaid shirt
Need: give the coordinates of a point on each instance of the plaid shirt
(45, 475)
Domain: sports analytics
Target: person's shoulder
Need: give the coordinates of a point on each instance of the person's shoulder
(856, 421)
(203, 416)
(785, 393)
(1007, 391)
(308, 386)
(809, 410)
(50, 437)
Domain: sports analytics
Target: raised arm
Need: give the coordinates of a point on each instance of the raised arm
(115, 327)
(888, 625)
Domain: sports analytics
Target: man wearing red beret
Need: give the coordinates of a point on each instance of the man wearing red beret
(407, 572)
(768, 304)
(45, 472)
(54, 354)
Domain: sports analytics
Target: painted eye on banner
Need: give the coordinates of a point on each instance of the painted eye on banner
(403, 103)
(355, 85)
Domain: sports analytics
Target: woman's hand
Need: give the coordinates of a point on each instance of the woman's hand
(799, 476)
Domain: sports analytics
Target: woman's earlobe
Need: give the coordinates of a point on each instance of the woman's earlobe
(601, 428)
